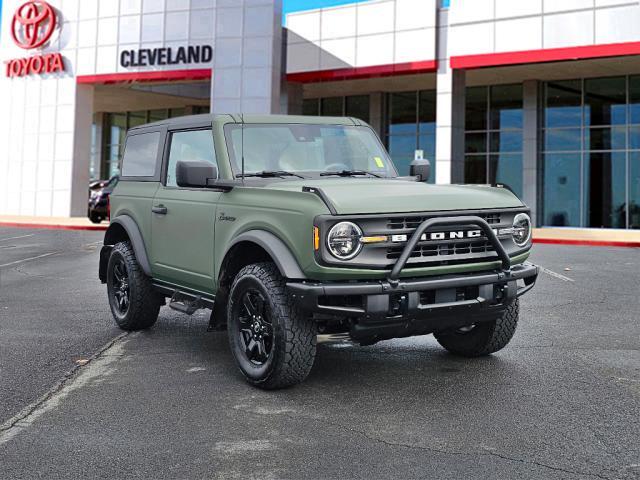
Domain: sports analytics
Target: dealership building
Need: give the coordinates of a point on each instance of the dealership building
(540, 95)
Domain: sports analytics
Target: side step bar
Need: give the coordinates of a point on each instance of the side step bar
(184, 301)
(180, 303)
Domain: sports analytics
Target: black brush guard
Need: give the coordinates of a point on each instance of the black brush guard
(398, 307)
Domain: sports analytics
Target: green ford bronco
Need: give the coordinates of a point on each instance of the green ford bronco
(287, 227)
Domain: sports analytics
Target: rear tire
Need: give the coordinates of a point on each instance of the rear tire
(134, 303)
(273, 342)
(95, 218)
(484, 338)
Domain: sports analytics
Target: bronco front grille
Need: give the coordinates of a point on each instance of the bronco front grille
(445, 249)
(401, 223)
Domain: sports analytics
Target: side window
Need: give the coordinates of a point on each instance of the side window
(140, 155)
(193, 146)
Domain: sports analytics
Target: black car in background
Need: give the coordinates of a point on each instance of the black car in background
(99, 192)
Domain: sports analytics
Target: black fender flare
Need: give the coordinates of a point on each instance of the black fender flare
(133, 232)
(276, 248)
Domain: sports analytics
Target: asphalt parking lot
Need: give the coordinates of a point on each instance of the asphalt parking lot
(561, 401)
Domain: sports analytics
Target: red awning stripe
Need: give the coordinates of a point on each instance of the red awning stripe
(545, 55)
(427, 66)
(154, 76)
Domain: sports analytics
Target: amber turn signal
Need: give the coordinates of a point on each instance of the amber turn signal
(316, 238)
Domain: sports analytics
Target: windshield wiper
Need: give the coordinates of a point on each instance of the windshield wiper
(349, 173)
(269, 174)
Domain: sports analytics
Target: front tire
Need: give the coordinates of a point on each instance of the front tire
(272, 341)
(484, 338)
(134, 303)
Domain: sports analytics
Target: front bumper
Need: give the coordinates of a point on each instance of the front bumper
(397, 307)
(388, 309)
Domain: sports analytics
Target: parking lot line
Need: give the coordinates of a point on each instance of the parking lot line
(28, 259)
(554, 274)
(16, 238)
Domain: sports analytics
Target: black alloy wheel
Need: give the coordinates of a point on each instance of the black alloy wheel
(255, 327)
(133, 301)
(121, 290)
(272, 340)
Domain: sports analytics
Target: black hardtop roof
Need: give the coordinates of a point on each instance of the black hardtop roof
(209, 118)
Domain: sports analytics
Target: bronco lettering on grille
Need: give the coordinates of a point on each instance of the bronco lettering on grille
(453, 235)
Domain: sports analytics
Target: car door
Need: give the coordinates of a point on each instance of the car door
(183, 219)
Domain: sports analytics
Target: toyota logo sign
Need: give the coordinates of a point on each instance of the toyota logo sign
(33, 24)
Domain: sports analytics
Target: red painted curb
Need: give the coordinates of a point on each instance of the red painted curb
(586, 243)
(54, 227)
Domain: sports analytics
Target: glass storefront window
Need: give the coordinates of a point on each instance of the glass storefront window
(608, 138)
(158, 115)
(506, 141)
(634, 138)
(356, 106)
(137, 118)
(506, 169)
(604, 176)
(589, 174)
(634, 99)
(402, 144)
(605, 101)
(427, 112)
(562, 139)
(561, 181)
(403, 113)
(427, 143)
(475, 142)
(475, 169)
(94, 162)
(493, 140)
(476, 108)
(411, 126)
(563, 104)
(634, 190)
(311, 106)
(331, 107)
(505, 109)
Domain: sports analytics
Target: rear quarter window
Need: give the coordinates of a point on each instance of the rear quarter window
(141, 155)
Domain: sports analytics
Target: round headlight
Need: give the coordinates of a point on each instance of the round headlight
(521, 229)
(343, 240)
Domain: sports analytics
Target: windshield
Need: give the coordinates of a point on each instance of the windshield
(307, 149)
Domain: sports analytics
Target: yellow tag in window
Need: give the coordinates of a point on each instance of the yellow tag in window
(379, 162)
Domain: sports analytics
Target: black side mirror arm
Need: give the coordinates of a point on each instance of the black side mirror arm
(223, 185)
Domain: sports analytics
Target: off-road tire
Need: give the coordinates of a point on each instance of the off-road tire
(293, 347)
(144, 301)
(485, 338)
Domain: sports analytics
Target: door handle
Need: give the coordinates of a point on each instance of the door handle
(159, 209)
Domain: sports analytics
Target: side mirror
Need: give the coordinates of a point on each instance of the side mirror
(195, 174)
(420, 169)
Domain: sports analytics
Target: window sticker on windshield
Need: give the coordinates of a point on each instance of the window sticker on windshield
(379, 162)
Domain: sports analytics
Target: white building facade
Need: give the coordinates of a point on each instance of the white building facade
(540, 95)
